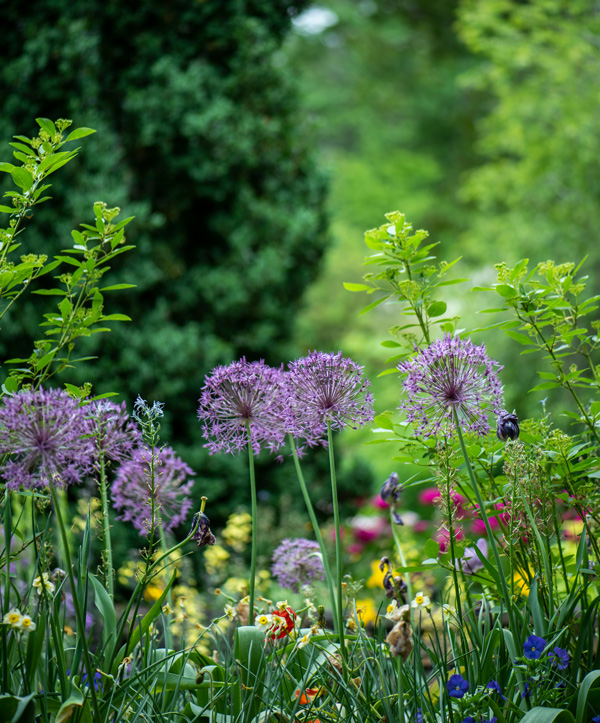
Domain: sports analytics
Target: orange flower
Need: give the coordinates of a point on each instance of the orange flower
(307, 696)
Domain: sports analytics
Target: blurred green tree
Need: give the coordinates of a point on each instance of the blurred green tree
(201, 137)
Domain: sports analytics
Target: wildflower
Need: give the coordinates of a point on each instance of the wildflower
(283, 621)
(596, 719)
(526, 692)
(240, 402)
(229, 611)
(470, 561)
(263, 622)
(44, 432)
(326, 389)
(457, 686)
(113, 432)
(494, 686)
(306, 696)
(13, 618)
(421, 601)
(559, 658)
(468, 719)
(296, 563)
(167, 609)
(156, 479)
(26, 624)
(201, 529)
(533, 647)
(305, 639)
(43, 582)
(419, 716)
(397, 612)
(452, 374)
(507, 426)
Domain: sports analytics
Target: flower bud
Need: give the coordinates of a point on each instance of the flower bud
(201, 530)
(508, 426)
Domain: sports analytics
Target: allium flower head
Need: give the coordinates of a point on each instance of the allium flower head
(241, 400)
(533, 647)
(297, 563)
(44, 432)
(326, 388)
(113, 432)
(134, 490)
(451, 374)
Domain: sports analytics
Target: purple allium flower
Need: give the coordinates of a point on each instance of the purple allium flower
(451, 374)
(495, 686)
(44, 431)
(326, 388)
(457, 686)
(296, 563)
(201, 530)
(240, 400)
(113, 432)
(134, 490)
(533, 647)
(507, 426)
(559, 658)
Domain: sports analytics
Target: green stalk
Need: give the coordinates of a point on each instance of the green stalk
(396, 537)
(486, 522)
(253, 544)
(166, 551)
(338, 542)
(317, 531)
(78, 612)
(107, 552)
(6, 606)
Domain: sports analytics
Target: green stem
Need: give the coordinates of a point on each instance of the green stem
(398, 544)
(338, 543)
(166, 551)
(486, 522)
(107, 556)
(317, 531)
(78, 612)
(253, 544)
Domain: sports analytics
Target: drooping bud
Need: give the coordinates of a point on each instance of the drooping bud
(391, 489)
(201, 530)
(508, 426)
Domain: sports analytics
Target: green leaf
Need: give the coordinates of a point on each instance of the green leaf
(116, 317)
(389, 344)
(373, 305)
(50, 292)
(14, 709)
(437, 308)
(356, 287)
(47, 125)
(107, 610)
(521, 338)
(6, 209)
(431, 548)
(74, 701)
(541, 714)
(79, 133)
(508, 292)
(384, 422)
(117, 287)
(588, 684)
(249, 649)
(6, 167)
(22, 178)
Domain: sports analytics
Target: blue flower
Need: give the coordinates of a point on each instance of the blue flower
(526, 691)
(559, 658)
(419, 715)
(457, 686)
(495, 686)
(468, 719)
(533, 647)
(596, 719)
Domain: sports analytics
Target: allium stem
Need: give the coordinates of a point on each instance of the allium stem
(400, 552)
(166, 551)
(78, 612)
(253, 543)
(107, 553)
(317, 531)
(338, 543)
(486, 522)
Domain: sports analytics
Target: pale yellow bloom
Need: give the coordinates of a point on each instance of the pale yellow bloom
(215, 557)
(13, 618)
(27, 624)
(263, 622)
(167, 609)
(366, 610)
(305, 639)
(230, 611)
(43, 582)
(421, 601)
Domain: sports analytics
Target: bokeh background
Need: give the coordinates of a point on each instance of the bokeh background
(255, 141)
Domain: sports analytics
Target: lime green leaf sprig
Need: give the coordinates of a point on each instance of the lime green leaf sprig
(409, 275)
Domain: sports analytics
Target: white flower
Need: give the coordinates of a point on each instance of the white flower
(263, 622)
(13, 618)
(27, 624)
(42, 582)
(421, 601)
(230, 611)
(395, 612)
(305, 639)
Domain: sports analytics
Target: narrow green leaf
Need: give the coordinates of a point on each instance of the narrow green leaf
(116, 317)
(373, 305)
(356, 287)
(47, 125)
(79, 133)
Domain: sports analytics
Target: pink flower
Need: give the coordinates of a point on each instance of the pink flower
(429, 495)
(379, 503)
(366, 528)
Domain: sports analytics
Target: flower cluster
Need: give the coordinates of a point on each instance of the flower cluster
(114, 434)
(153, 481)
(18, 621)
(451, 375)
(277, 624)
(250, 401)
(534, 647)
(297, 563)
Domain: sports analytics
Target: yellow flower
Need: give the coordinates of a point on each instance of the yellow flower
(305, 639)
(13, 618)
(376, 579)
(238, 531)
(167, 609)
(43, 582)
(366, 610)
(215, 558)
(153, 591)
